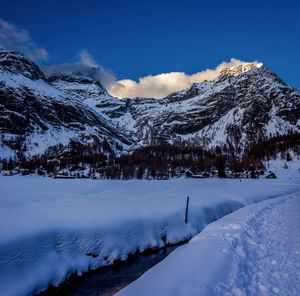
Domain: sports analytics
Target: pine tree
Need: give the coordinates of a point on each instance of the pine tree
(221, 168)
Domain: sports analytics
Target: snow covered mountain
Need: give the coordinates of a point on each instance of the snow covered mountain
(244, 105)
(36, 113)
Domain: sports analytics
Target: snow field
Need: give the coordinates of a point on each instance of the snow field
(253, 251)
(51, 228)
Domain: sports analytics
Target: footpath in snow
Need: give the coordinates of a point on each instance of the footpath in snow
(253, 251)
(51, 228)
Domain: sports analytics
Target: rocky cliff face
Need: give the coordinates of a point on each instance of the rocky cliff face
(243, 105)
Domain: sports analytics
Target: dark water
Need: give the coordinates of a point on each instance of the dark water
(109, 280)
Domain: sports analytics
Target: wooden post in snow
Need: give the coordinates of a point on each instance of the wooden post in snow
(187, 210)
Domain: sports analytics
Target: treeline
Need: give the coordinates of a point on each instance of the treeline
(160, 161)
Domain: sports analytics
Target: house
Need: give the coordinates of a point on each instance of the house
(271, 175)
(6, 173)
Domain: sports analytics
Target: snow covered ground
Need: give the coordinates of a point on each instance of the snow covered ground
(52, 227)
(287, 170)
(253, 251)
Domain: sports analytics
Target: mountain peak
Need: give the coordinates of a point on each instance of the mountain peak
(77, 82)
(71, 77)
(240, 69)
(17, 63)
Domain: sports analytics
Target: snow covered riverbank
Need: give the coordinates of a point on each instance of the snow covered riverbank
(51, 227)
(253, 251)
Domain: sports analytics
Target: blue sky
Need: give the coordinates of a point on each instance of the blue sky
(138, 38)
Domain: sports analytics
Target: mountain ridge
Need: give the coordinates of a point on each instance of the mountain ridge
(243, 105)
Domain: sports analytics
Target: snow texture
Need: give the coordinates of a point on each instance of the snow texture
(51, 228)
(253, 251)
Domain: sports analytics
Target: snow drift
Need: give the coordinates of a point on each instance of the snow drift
(253, 251)
(51, 228)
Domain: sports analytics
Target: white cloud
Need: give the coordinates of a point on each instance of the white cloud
(161, 85)
(87, 59)
(85, 66)
(15, 38)
(151, 86)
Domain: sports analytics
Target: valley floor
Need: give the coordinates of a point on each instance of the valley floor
(51, 228)
(253, 251)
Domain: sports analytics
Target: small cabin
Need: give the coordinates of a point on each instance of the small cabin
(271, 175)
(6, 173)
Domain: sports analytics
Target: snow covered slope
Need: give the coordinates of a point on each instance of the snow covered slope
(36, 114)
(52, 227)
(242, 106)
(286, 170)
(253, 251)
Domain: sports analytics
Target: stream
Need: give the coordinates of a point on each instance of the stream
(109, 280)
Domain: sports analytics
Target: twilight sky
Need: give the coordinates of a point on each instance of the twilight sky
(135, 39)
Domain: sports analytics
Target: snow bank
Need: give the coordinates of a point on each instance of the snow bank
(253, 251)
(52, 227)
